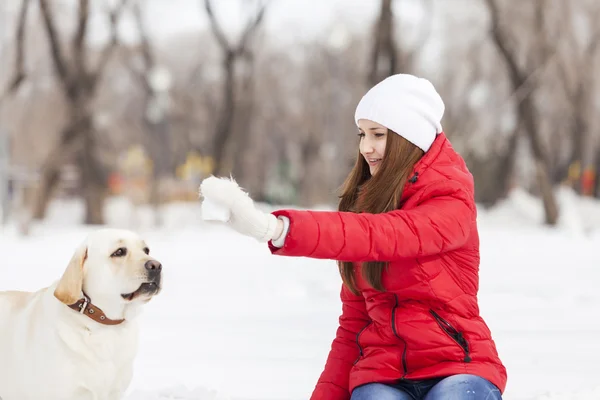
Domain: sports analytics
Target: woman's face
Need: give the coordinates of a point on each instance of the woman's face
(373, 137)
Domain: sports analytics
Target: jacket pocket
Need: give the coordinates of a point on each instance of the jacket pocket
(454, 334)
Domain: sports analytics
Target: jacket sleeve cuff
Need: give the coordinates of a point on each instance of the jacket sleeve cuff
(280, 241)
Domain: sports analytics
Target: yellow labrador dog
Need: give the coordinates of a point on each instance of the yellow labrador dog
(77, 339)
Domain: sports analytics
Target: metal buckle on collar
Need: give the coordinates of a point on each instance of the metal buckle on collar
(86, 302)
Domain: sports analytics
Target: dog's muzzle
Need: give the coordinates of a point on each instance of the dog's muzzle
(153, 268)
(152, 286)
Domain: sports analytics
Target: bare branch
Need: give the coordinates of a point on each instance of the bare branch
(526, 107)
(591, 50)
(251, 28)
(79, 48)
(500, 38)
(594, 40)
(145, 43)
(408, 56)
(19, 73)
(147, 55)
(576, 63)
(59, 62)
(214, 25)
(427, 26)
(545, 43)
(383, 54)
(594, 14)
(567, 60)
(114, 16)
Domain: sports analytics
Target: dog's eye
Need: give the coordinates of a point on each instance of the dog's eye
(146, 250)
(120, 252)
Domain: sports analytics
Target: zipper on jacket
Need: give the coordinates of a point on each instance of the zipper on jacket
(454, 334)
(360, 350)
(404, 367)
(414, 178)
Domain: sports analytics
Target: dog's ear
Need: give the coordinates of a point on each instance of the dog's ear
(70, 285)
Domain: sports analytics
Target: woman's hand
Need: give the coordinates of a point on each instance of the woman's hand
(224, 200)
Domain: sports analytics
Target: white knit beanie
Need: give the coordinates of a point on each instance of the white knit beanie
(406, 104)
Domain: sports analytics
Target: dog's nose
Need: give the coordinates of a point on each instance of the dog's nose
(153, 266)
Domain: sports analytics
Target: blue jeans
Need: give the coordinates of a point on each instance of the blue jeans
(456, 387)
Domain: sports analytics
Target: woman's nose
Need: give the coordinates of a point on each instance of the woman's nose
(365, 146)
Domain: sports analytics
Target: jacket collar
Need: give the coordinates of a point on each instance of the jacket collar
(415, 181)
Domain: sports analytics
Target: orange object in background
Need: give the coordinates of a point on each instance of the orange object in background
(115, 183)
(588, 181)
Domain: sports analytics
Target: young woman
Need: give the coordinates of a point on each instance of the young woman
(406, 242)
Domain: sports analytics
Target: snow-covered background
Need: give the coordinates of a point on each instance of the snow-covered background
(235, 322)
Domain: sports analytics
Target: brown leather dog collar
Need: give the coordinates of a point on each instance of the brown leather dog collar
(85, 306)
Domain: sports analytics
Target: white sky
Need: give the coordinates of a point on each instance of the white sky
(286, 17)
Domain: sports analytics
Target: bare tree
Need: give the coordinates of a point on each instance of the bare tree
(79, 82)
(246, 109)
(387, 58)
(324, 132)
(577, 68)
(492, 165)
(520, 76)
(19, 73)
(384, 58)
(231, 54)
(155, 81)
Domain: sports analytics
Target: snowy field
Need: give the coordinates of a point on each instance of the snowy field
(235, 322)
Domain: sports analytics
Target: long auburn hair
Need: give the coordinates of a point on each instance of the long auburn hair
(380, 193)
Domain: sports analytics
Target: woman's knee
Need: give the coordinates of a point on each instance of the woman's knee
(464, 387)
(378, 391)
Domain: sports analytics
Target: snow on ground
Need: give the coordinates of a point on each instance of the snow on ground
(236, 323)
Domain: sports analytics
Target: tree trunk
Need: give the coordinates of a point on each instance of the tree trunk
(226, 115)
(161, 152)
(383, 58)
(243, 125)
(526, 108)
(527, 112)
(50, 175)
(94, 195)
(91, 175)
(310, 155)
(508, 160)
(48, 182)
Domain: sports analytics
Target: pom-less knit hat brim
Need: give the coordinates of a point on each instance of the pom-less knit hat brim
(406, 104)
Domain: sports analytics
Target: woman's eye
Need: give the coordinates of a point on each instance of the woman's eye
(379, 134)
(361, 135)
(120, 252)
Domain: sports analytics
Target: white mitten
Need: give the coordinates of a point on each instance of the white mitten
(212, 211)
(225, 201)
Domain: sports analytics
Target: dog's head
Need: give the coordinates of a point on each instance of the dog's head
(111, 265)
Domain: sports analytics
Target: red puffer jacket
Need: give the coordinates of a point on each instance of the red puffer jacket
(427, 323)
